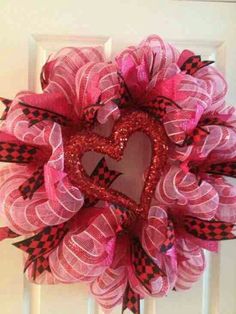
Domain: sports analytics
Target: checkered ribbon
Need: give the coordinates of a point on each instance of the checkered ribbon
(157, 107)
(41, 244)
(210, 230)
(7, 103)
(211, 120)
(193, 64)
(102, 176)
(40, 265)
(144, 267)
(170, 238)
(17, 153)
(126, 217)
(90, 112)
(32, 184)
(131, 301)
(227, 168)
(36, 115)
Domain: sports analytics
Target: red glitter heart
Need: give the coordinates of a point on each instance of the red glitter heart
(114, 146)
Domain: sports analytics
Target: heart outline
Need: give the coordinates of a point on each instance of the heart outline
(114, 146)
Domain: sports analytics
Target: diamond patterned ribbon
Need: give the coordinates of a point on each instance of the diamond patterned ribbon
(193, 64)
(102, 176)
(227, 168)
(32, 184)
(170, 238)
(7, 103)
(17, 153)
(41, 264)
(210, 230)
(36, 115)
(145, 270)
(157, 107)
(144, 267)
(131, 301)
(42, 243)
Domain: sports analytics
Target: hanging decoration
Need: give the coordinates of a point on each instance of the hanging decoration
(76, 227)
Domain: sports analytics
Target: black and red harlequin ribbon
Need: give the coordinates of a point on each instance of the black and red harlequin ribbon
(102, 176)
(7, 103)
(35, 114)
(193, 64)
(226, 168)
(33, 183)
(41, 244)
(170, 238)
(145, 270)
(144, 267)
(131, 300)
(210, 230)
(211, 119)
(17, 152)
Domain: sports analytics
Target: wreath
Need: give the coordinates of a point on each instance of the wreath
(76, 226)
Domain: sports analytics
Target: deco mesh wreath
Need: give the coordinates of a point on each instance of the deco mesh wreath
(78, 227)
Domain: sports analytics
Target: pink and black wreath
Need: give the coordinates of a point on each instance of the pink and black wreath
(82, 230)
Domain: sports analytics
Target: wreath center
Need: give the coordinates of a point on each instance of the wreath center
(114, 147)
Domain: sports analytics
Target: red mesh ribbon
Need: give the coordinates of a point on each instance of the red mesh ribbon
(131, 301)
(17, 153)
(7, 103)
(210, 230)
(32, 184)
(36, 115)
(144, 267)
(193, 64)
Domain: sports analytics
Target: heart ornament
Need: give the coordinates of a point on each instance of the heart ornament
(114, 147)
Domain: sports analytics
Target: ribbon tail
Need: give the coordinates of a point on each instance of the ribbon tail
(103, 176)
(144, 267)
(6, 233)
(210, 230)
(131, 301)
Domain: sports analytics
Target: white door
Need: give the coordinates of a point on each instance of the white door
(29, 31)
